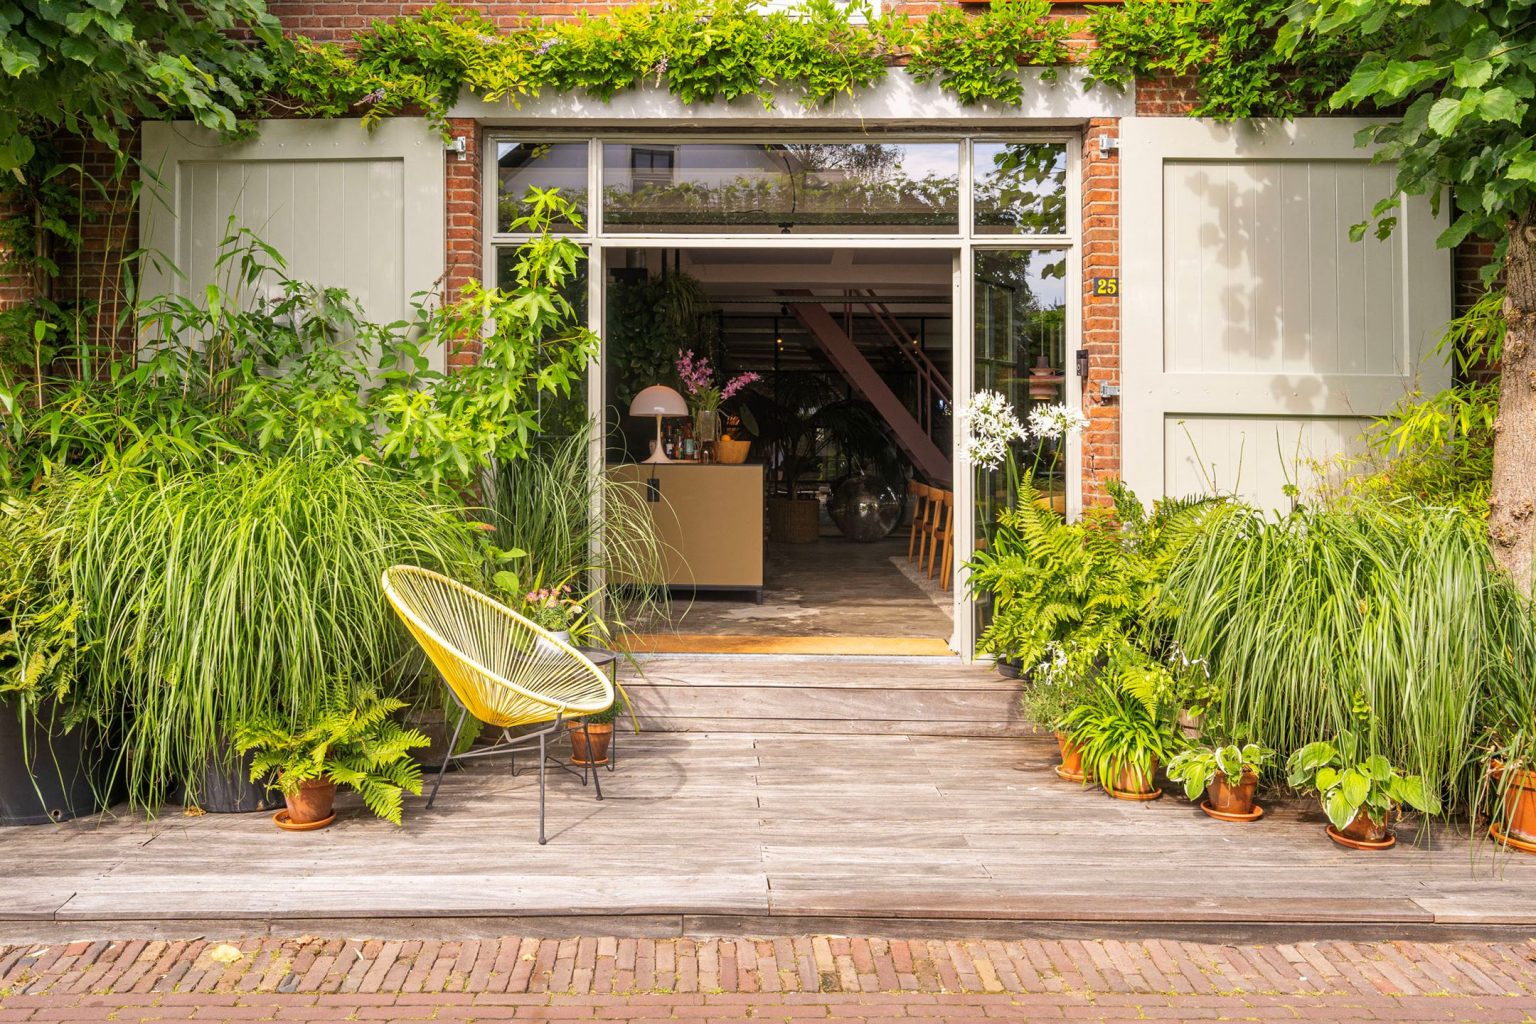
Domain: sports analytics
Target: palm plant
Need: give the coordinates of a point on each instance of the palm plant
(236, 592)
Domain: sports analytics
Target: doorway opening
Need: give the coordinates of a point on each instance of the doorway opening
(789, 516)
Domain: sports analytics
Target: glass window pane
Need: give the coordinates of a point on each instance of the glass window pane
(802, 188)
(1021, 351)
(519, 165)
(1021, 188)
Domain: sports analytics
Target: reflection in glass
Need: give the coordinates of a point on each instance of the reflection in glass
(1021, 188)
(521, 165)
(1021, 351)
(899, 187)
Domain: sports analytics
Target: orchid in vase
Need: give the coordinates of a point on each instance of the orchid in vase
(698, 380)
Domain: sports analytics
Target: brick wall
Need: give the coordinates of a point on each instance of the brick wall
(1101, 314)
(15, 283)
(464, 233)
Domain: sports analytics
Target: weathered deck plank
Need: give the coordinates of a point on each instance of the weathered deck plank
(763, 828)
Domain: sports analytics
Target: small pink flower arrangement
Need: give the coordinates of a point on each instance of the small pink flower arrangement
(698, 378)
(552, 608)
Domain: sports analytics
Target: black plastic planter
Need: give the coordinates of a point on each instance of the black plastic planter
(228, 789)
(45, 773)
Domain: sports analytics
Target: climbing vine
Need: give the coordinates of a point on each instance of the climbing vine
(700, 51)
(1227, 49)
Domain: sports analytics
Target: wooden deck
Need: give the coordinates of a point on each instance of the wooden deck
(758, 833)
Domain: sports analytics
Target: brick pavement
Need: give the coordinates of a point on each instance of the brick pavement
(831, 978)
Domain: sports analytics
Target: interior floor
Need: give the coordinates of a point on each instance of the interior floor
(834, 587)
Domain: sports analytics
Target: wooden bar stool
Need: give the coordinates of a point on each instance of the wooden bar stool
(919, 494)
(942, 535)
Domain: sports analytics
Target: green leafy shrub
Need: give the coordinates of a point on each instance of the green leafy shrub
(40, 644)
(1124, 726)
(236, 591)
(1349, 781)
(1196, 767)
(1316, 620)
(350, 740)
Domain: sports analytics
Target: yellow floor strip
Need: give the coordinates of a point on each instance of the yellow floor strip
(706, 643)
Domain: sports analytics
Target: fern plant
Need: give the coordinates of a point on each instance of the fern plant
(351, 741)
(1086, 586)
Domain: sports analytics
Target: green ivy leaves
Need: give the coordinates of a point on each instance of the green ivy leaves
(700, 51)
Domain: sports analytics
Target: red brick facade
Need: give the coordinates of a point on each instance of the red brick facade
(96, 273)
(1101, 314)
(464, 232)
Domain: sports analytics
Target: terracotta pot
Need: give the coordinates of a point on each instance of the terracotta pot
(1189, 723)
(1519, 804)
(1364, 830)
(1071, 767)
(315, 801)
(601, 734)
(1130, 784)
(1226, 798)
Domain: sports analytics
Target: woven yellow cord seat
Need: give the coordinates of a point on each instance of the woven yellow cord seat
(501, 668)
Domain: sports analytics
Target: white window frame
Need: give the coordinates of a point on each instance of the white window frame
(963, 243)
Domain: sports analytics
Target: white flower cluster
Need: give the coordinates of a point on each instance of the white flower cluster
(1052, 421)
(991, 426)
(1053, 667)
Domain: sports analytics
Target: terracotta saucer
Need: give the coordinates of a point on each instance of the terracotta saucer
(1504, 839)
(1125, 794)
(1253, 815)
(281, 819)
(1361, 844)
(1066, 776)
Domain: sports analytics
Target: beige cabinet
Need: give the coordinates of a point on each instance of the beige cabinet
(710, 519)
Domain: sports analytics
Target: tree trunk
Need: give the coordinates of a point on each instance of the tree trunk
(1511, 522)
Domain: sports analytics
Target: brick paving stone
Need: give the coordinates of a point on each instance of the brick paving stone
(840, 979)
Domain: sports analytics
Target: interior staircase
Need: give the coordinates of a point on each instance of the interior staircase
(822, 694)
(909, 433)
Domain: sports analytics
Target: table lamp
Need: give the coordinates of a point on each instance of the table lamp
(658, 400)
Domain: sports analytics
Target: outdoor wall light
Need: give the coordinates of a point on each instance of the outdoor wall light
(658, 400)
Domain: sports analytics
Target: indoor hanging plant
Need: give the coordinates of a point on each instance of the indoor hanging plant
(351, 741)
(1360, 793)
(1228, 776)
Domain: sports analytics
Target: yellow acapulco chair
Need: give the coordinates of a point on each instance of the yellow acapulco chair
(501, 668)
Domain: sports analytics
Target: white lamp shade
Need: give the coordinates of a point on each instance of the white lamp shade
(658, 400)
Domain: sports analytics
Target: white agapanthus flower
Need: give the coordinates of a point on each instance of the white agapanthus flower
(990, 427)
(1048, 422)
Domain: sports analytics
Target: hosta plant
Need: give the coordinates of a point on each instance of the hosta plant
(1196, 767)
(351, 742)
(1349, 784)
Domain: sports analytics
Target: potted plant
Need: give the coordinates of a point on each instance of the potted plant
(1053, 690)
(1515, 824)
(1227, 774)
(47, 742)
(1360, 794)
(352, 741)
(1124, 728)
(591, 735)
(698, 379)
(554, 609)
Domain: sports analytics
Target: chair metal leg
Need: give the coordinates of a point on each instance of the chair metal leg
(453, 745)
(542, 840)
(596, 781)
